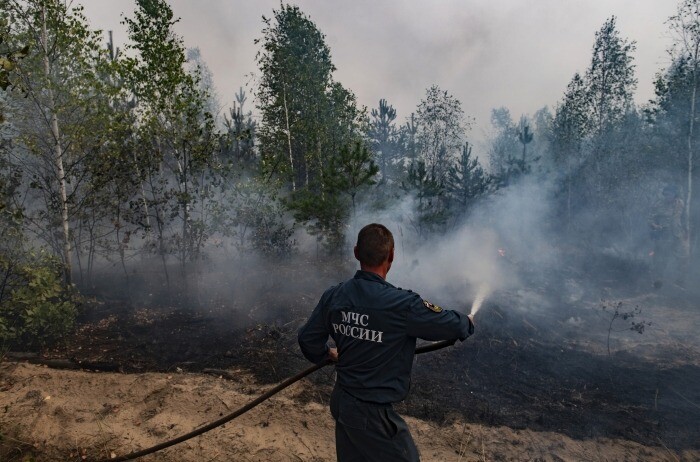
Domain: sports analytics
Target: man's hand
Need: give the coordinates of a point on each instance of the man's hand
(333, 354)
(471, 323)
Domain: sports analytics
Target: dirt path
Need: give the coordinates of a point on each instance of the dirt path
(55, 415)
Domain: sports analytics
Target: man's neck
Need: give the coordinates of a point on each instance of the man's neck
(380, 270)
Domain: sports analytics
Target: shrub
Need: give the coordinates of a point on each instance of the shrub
(36, 308)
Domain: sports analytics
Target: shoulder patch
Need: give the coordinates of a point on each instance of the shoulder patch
(432, 307)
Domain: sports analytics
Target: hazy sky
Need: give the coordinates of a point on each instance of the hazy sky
(514, 53)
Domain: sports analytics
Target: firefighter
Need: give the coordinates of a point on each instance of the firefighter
(374, 326)
(668, 235)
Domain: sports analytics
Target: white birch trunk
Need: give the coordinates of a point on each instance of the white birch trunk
(57, 156)
(289, 140)
(691, 127)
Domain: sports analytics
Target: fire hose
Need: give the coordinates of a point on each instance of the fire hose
(264, 397)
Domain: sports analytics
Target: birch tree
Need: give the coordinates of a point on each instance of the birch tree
(568, 135)
(442, 127)
(308, 121)
(296, 75)
(59, 76)
(177, 163)
(685, 25)
(610, 85)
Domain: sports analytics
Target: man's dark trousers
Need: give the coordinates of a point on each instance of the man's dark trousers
(367, 432)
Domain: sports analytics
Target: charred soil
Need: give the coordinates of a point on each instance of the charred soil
(516, 371)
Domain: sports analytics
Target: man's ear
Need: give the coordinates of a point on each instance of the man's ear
(391, 255)
(357, 257)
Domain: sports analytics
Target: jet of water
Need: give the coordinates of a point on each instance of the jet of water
(481, 294)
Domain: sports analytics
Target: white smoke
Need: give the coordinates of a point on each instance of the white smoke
(476, 257)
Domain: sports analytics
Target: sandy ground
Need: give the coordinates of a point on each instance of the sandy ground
(56, 415)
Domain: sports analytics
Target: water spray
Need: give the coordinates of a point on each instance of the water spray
(481, 294)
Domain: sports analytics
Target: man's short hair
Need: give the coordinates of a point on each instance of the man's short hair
(374, 244)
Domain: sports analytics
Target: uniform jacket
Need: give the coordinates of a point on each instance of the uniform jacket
(375, 326)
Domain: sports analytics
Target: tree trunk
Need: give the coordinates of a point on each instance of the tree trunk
(144, 201)
(691, 127)
(185, 249)
(289, 139)
(120, 243)
(568, 194)
(320, 166)
(92, 249)
(57, 156)
(160, 227)
(160, 216)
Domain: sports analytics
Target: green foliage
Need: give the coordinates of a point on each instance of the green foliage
(327, 213)
(409, 139)
(570, 121)
(610, 84)
(64, 119)
(179, 172)
(676, 89)
(384, 137)
(272, 234)
(467, 181)
(147, 170)
(308, 122)
(610, 79)
(596, 103)
(678, 101)
(255, 219)
(525, 135)
(241, 131)
(352, 169)
(592, 130)
(507, 163)
(37, 309)
(294, 96)
(428, 191)
(9, 56)
(158, 68)
(441, 130)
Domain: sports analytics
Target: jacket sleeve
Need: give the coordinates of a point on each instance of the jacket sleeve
(429, 322)
(313, 336)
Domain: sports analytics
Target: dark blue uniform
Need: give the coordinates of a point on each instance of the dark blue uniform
(375, 326)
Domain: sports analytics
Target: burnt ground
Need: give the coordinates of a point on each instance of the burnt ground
(542, 386)
(515, 371)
